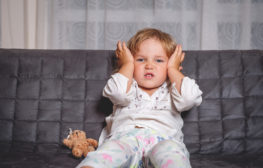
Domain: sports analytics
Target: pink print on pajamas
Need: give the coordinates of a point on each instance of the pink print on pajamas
(121, 146)
(139, 148)
(167, 163)
(149, 141)
(107, 157)
(139, 137)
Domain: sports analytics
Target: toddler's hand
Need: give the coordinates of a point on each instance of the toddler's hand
(176, 59)
(123, 54)
(126, 62)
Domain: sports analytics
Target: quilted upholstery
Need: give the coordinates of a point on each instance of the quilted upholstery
(230, 119)
(45, 92)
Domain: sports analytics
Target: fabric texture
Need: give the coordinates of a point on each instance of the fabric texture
(45, 92)
(138, 148)
(97, 24)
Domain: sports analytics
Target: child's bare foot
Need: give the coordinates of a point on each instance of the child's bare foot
(86, 167)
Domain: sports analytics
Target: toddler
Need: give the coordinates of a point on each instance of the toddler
(148, 92)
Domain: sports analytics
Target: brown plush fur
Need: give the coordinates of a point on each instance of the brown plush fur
(79, 144)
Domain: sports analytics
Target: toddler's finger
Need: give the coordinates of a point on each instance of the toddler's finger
(119, 46)
(182, 57)
(180, 50)
(176, 50)
(124, 46)
(116, 53)
(179, 53)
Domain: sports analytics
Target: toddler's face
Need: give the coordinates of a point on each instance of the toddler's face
(150, 65)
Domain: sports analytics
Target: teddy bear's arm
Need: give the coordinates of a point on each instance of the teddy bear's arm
(92, 142)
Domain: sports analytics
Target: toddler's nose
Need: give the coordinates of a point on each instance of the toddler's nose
(149, 65)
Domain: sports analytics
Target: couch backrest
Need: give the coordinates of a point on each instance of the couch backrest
(43, 93)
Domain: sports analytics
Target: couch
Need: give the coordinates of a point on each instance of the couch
(43, 93)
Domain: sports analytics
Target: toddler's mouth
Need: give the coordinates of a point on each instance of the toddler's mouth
(148, 75)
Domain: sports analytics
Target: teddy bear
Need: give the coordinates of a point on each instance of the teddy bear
(79, 144)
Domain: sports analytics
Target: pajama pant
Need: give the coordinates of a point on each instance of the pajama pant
(139, 148)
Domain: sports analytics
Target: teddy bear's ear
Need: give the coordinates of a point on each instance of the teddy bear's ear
(81, 134)
(69, 133)
(75, 133)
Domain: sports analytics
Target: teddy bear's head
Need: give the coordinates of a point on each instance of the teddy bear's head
(77, 135)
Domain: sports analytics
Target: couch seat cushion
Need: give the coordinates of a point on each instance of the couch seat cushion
(227, 161)
(64, 160)
(37, 160)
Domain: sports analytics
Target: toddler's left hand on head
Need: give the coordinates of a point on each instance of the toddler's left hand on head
(176, 59)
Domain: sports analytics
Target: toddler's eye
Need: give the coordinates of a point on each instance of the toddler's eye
(140, 60)
(159, 60)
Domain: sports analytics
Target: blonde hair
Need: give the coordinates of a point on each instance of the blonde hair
(165, 39)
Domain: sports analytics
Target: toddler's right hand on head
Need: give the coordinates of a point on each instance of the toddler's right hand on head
(123, 54)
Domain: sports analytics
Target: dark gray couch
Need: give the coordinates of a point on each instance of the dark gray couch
(45, 92)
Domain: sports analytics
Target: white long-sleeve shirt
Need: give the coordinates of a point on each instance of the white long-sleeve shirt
(160, 111)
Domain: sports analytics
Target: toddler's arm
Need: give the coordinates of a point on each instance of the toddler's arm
(116, 88)
(190, 95)
(185, 92)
